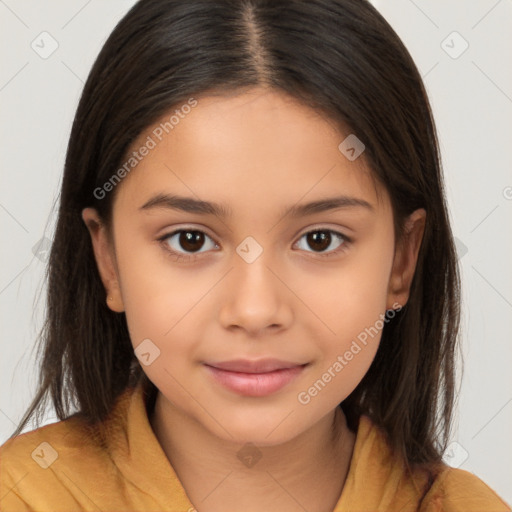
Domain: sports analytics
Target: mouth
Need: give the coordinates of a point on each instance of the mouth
(254, 378)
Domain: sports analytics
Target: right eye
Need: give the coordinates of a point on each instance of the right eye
(186, 242)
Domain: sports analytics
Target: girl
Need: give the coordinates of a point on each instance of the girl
(253, 296)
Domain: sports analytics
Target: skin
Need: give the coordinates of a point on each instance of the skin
(256, 152)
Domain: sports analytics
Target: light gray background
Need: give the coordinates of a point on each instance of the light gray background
(471, 97)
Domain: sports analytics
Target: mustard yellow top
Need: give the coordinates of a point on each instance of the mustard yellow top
(64, 467)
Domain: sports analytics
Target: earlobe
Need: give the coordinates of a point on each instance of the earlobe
(406, 257)
(105, 258)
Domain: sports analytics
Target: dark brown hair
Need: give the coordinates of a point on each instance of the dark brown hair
(338, 56)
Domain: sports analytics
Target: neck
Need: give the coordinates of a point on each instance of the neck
(306, 472)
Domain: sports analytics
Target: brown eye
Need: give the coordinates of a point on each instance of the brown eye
(319, 240)
(186, 241)
(322, 239)
(191, 240)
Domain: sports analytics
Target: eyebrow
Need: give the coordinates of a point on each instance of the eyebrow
(191, 205)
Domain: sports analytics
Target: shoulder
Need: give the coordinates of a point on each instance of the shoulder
(395, 488)
(42, 445)
(72, 442)
(457, 490)
(34, 465)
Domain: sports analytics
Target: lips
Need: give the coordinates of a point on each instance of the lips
(254, 378)
(259, 366)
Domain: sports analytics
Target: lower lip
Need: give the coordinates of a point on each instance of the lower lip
(255, 384)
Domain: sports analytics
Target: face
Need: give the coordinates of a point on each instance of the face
(250, 313)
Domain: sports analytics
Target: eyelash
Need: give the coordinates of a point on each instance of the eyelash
(193, 256)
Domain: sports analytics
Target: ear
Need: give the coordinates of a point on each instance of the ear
(105, 258)
(404, 262)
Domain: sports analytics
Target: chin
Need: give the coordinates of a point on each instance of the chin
(258, 428)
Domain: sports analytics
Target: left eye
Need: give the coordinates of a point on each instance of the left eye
(322, 239)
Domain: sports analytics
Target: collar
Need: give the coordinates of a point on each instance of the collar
(376, 479)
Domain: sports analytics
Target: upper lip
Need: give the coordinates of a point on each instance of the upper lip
(257, 366)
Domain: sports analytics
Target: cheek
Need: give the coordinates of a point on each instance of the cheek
(168, 305)
(351, 304)
(350, 297)
(155, 296)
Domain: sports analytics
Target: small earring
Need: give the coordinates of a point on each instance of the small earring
(110, 298)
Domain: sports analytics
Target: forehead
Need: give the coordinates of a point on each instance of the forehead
(239, 148)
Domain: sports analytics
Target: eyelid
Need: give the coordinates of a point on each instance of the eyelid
(179, 229)
(312, 229)
(190, 228)
(346, 241)
(323, 227)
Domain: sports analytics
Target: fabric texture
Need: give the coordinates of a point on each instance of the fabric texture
(120, 466)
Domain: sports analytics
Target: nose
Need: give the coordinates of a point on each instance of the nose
(255, 299)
